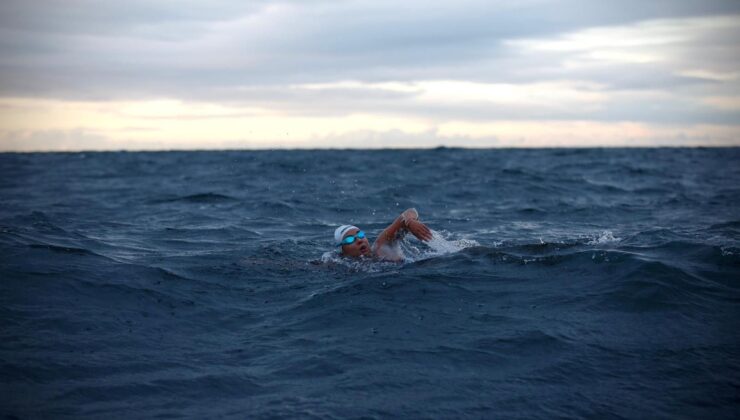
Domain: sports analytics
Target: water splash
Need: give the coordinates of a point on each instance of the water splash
(728, 251)
(366, 265)
(606, 237)
(415, 250)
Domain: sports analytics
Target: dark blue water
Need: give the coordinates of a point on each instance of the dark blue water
(561, 283)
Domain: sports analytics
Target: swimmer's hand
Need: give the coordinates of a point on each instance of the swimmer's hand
(411, 222)
(420, 230)
(407, 221)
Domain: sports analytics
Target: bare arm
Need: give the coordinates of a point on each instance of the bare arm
(390, 234)
(407, 221)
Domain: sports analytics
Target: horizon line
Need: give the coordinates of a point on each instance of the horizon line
(350, 149)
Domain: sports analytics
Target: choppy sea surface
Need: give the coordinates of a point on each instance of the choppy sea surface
(579, 283)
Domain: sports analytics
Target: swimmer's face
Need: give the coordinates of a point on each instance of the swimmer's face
(358, 248)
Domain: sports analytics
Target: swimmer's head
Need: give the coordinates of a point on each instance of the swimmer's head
(352, 242)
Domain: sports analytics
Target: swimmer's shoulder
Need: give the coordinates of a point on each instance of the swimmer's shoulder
(388, 254)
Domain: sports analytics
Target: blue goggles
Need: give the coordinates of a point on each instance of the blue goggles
(350, 239)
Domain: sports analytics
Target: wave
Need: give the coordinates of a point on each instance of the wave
(200, 198)
(624, 278)
(64, 249)
(551, 271)
(733, 225)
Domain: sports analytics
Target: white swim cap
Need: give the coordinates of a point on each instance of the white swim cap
(341, 231)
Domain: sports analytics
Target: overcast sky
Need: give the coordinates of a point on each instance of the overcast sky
(154, 74)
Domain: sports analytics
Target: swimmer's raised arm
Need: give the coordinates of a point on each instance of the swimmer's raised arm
(389, 235)
(407, 221)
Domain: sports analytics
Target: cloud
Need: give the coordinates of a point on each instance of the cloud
(83, 49)
(389, 67)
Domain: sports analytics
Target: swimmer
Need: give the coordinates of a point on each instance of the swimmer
(353, 243)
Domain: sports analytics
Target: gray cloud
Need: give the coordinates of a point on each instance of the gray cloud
(228, 51)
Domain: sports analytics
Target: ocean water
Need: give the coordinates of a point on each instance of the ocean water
(579, 283)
